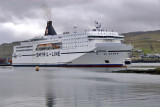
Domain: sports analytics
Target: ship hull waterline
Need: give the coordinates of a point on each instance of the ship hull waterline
(65, 65)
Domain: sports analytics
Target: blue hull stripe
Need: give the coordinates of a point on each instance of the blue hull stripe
(73, 65)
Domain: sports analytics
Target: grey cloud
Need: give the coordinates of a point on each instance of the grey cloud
(6, 36)
(119, 15)
(23, 7)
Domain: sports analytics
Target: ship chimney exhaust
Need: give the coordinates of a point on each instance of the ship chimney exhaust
(49, 29)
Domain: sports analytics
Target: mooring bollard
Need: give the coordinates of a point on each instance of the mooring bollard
(37, 68)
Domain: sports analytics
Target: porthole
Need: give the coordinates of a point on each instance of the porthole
(106, 61)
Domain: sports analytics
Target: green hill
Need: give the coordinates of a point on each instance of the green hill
(148, 42)
(6, 49)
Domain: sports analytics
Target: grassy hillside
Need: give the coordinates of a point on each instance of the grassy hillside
(149, 41)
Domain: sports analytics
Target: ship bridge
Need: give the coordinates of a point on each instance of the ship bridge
(104, 37)
(100, 35)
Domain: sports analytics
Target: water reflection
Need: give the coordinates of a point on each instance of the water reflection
(50, 98)
(77, 87)
(97, 88)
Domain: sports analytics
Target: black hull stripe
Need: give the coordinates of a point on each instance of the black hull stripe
(29, 55)
(78, 52)
(120, 51)
(97, 52)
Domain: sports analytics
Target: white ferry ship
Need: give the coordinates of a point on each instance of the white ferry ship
(95, 48)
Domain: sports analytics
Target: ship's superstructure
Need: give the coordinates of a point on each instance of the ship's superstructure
(95, 48)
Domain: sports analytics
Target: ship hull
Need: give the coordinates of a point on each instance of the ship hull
(104, 55)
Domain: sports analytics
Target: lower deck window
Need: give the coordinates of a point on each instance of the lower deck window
(24, 50)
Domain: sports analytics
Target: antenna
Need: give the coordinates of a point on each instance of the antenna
(75, 27)
(97, 24)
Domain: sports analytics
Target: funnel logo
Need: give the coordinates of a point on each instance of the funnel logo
(96, 22)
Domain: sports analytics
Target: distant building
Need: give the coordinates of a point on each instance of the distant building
(137, 50)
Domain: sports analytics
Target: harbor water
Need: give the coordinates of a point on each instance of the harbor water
(77, 87)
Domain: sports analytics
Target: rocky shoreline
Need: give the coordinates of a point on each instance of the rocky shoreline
(150, 71)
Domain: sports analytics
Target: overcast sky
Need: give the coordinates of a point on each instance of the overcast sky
(24, 19)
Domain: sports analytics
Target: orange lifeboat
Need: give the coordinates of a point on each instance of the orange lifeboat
(41, 45)
(48, 45)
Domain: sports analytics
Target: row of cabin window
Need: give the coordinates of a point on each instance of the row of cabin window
(24, 47)
(75, 35)
(82, 46)
(106, 33)
(75, 38)
(75, 46)
(75, 42)
(55, 37)
(24, 50)
(40, 42)
(111, 53)
(103, 37)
